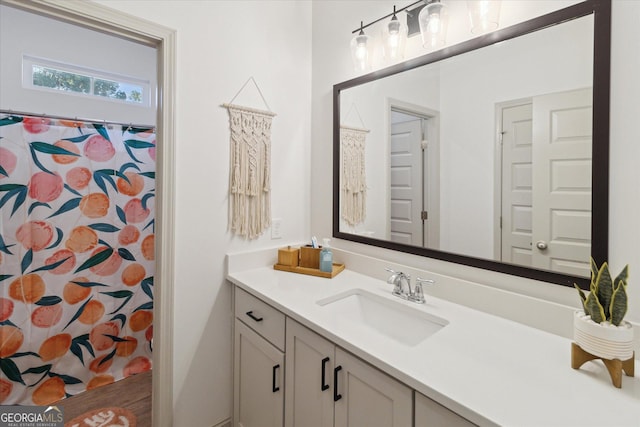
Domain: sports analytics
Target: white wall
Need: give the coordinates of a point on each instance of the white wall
(24, 33)
(220, 45)
(332, 64)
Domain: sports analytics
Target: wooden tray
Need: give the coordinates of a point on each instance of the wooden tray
(337, 268)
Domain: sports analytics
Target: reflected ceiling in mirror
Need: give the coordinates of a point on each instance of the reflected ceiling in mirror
(484, 153)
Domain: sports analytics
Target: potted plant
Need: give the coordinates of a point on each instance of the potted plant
(600, 329)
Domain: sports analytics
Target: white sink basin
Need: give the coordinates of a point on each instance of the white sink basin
(384, 316)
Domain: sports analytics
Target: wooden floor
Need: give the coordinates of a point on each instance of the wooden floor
(132, 393)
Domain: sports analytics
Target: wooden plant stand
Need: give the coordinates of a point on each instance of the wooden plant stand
(614, 366)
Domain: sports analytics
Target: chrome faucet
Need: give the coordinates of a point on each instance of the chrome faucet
(402, 286)
(401, 283)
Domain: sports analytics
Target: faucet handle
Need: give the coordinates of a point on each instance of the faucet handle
(418, 293)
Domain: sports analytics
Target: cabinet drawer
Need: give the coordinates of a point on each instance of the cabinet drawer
(261, 317)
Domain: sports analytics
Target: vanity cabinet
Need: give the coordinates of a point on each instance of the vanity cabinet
(326, 386)
(432, 414)
(259, 363)
(285, 374)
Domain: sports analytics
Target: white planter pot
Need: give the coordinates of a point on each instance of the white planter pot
(603, 339)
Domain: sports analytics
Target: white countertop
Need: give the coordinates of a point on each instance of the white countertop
(490, 370)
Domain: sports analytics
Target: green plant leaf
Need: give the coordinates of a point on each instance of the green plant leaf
(49, 300)
(3, 171)
(82, 340)
(17, 190)
(78, 313)
(121, 317)
(3, 246)
(10, 120)
(102, 131)
(151, 175)
(104, 227)
(133, 143)
(80, 138)
(60, 234)
(605, 289)
(72, 190)
(43, 147)
(619, 304)
(583, 298)
(146, 285)
(145, 306)
(68, 379)
(131, 154)
(623, 276)
(125, 254)
(594, 309)
(26, 260)
(35, 205)
(145, 199)
(594, 269)
(38, 369)
(88, 284)
(127, 295)
(35, 159)
(10, 369)
(126, 166)
(98, 258)
(51, 266)
(67, 206)
(138, 130)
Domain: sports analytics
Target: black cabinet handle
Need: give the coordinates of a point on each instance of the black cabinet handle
(274, 388)
(250, 314)
(324, 386)
(336, 396)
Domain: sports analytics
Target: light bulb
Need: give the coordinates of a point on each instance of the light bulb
(484, 15)
(433, 20)
(394, 36)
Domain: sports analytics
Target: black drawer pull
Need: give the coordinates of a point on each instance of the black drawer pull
(336, 396)
(274, 388)
(257, 319)
(324, 386)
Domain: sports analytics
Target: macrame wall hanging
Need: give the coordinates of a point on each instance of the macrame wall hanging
(354, 178)
(250, 167)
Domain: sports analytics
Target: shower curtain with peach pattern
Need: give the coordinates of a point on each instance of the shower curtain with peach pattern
(76, 256)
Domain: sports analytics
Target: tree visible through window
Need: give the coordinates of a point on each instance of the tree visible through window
(61, 80)
(90, 85)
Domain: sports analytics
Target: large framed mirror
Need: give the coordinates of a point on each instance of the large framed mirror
(493, 153)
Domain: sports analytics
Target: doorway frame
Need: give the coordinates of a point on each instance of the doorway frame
(116, 23)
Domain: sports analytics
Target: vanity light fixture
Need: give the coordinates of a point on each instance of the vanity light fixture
(430, 18)
(394, 36)
(360, 47)
(484, 15)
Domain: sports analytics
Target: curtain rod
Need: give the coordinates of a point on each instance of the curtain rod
(79, 119)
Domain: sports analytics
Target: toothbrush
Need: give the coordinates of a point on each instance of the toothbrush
(314, 242)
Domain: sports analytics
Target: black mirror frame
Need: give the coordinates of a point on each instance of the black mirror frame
(601, 9)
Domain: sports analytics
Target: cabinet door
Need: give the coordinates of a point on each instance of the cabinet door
(258, 380)
(432, 414)
(309, 378)
(367, 397)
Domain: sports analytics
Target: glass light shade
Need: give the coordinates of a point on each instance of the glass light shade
(433, 20)
(394, 37)
(360, 54)
(484, 15)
